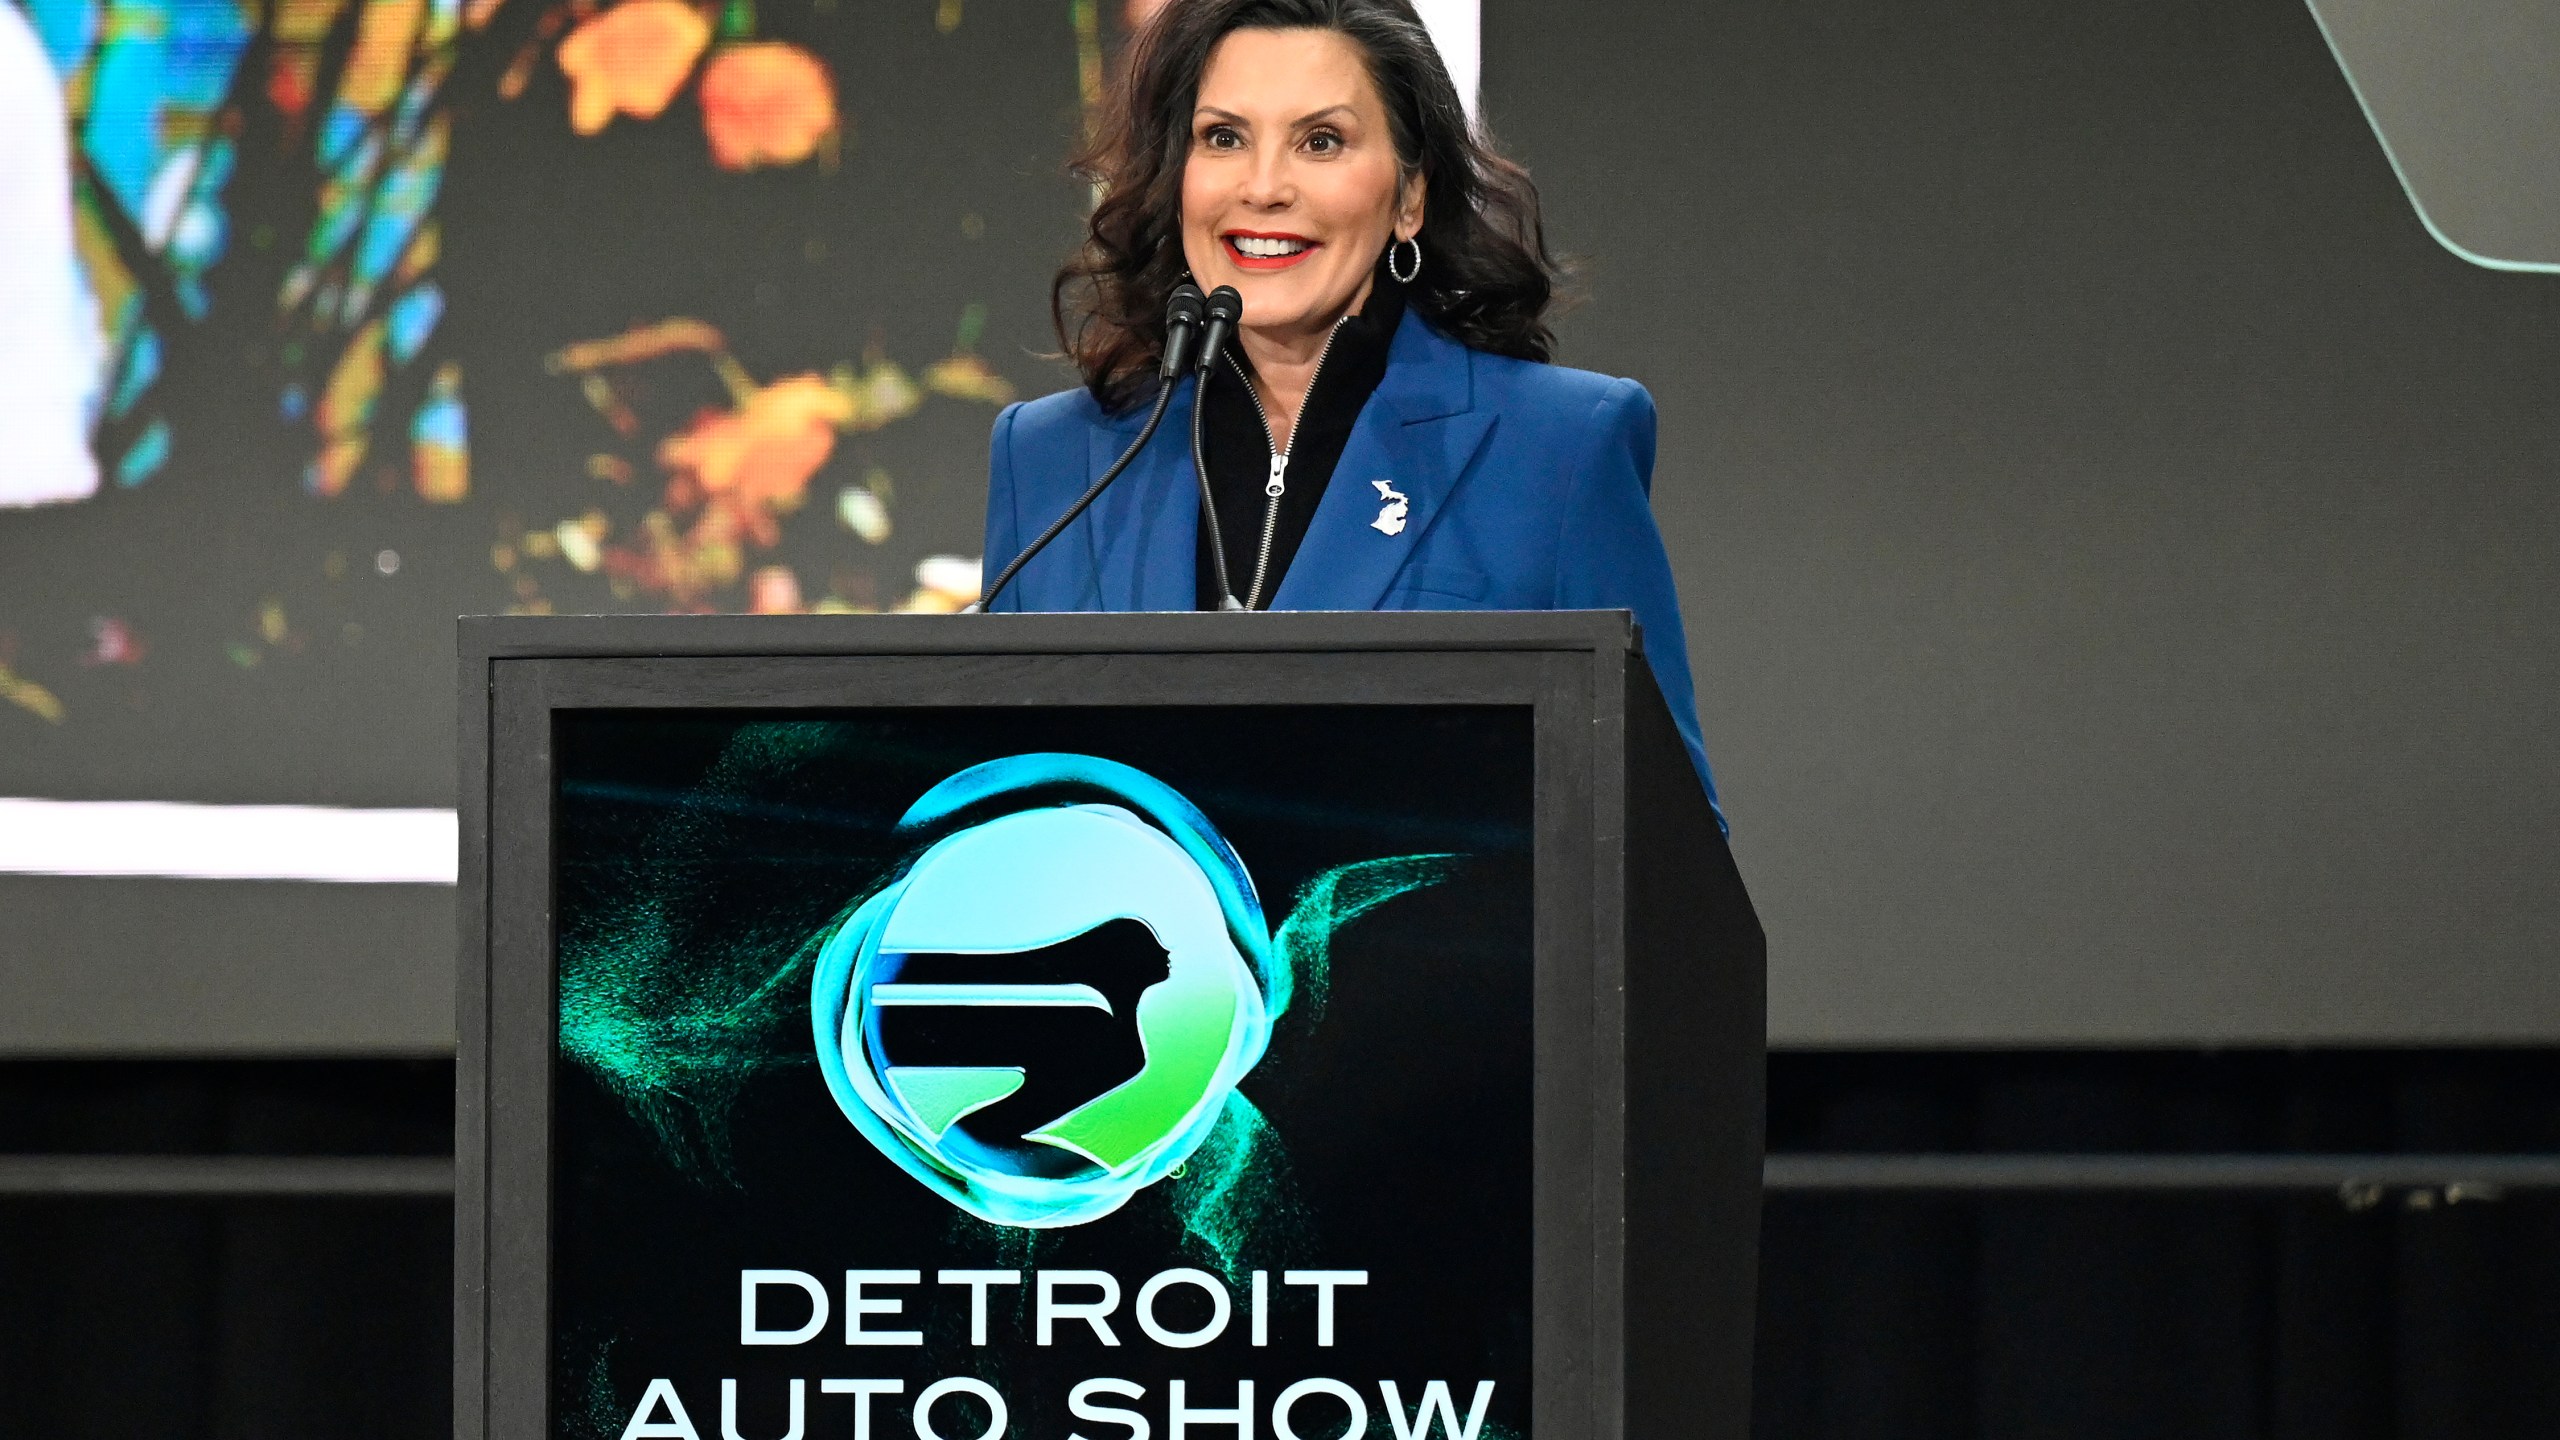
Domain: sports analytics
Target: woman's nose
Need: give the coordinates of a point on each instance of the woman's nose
(1267, 183)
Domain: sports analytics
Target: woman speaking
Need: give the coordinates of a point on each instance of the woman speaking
(1384, 433)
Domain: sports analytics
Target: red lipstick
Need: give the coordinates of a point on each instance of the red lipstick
(1245, 261)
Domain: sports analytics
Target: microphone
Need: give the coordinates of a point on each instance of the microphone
(1181, 317)
(1181, 313)
(1226, 307)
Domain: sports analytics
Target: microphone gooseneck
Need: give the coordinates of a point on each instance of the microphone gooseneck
(1225, 308)
(1181, 316)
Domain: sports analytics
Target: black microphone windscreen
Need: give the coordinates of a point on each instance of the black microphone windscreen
(1226, 307)
(1181, 318)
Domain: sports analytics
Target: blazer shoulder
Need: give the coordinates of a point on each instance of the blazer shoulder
(1039, 444)
(1055, 417)
(1568, 394)
(1587, 421)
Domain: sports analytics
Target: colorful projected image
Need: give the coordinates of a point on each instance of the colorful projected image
(147, 94)
(327, 320)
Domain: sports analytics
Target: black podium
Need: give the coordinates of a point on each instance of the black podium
(1286, 1025)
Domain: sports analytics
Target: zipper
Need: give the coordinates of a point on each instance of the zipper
(1277, 484)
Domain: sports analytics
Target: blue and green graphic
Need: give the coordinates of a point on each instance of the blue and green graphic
(1042, 1010)
(1050, 849)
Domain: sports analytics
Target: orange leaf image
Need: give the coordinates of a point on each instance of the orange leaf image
(645, 342)
(755, 461)
(766, 104)
(630, 60)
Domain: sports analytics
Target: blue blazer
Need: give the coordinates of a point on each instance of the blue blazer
(1524, 487)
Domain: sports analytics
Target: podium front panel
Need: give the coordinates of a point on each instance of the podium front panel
(1082, 1042)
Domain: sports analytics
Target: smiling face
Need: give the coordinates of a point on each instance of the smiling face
(1292, 189)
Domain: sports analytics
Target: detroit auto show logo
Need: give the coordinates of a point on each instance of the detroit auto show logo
(1044, 1011)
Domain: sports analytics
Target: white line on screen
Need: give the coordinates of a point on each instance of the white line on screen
(158, 838)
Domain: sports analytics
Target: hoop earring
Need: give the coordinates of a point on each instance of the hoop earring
(1405, 277)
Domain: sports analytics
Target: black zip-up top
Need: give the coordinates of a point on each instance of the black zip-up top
(1263, 529)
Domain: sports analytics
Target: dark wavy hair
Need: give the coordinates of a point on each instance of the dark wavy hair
(1488, 278)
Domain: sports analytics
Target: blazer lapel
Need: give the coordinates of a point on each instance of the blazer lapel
(1143, 534)
(1410, 448)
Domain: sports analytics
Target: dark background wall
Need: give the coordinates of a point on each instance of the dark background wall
(2113, 535)
(2098, 1317)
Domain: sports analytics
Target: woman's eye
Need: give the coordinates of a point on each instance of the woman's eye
(1220, 137)
(1324, 142)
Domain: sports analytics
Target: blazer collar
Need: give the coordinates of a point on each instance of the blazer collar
(1417, 435)
(1410, 448)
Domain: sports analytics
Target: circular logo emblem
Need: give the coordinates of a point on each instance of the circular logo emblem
(1045, 1010)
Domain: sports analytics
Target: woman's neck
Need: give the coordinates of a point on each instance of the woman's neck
(1284, 365)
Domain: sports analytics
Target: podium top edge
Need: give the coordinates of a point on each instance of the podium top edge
(535, 637)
